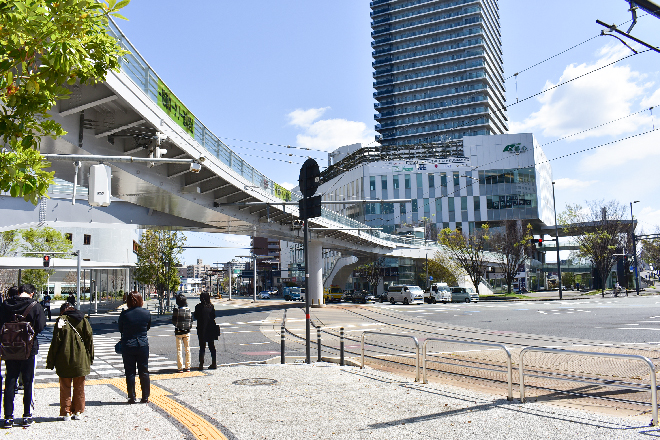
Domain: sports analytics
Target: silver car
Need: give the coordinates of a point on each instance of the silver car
(464, 294)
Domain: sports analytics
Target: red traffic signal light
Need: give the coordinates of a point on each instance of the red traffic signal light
(537, 241)
(46, 261)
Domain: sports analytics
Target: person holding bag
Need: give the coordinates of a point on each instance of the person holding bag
(182, 320)
(207, 330)
(134, 323)
(71, 354)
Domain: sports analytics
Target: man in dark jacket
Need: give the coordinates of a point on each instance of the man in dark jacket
(17, 305)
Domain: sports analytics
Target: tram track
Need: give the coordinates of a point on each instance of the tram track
(481, 370)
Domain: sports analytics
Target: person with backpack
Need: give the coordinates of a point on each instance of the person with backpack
(21, 320)
(71, 354)
(134, 323)
(182, 320)
(207, 329)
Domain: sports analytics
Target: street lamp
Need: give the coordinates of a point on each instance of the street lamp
(632, 226)
(554, 206)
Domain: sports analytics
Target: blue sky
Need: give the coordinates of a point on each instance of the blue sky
(295, 72)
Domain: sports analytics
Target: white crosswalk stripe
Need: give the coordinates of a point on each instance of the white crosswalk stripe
(107, 363)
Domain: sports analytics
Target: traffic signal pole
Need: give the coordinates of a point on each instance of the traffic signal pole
(557, 239)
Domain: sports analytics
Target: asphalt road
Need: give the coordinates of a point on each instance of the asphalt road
(622, 320)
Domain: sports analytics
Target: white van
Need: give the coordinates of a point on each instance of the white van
(439, 292)
(405, 294)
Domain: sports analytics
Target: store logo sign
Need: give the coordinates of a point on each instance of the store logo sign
(515, 148)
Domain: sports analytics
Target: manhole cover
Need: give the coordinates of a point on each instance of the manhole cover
(255, 381)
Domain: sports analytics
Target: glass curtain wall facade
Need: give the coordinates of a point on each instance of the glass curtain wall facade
(437, 70)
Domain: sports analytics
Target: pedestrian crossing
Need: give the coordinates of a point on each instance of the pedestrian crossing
(106, 364)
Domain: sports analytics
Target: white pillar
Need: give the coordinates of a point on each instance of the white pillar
(315, 293)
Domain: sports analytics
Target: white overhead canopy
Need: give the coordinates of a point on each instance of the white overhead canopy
(57, 263)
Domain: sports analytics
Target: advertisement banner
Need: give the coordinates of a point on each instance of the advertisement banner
(430, 164)
(177, 111)
(281, 192)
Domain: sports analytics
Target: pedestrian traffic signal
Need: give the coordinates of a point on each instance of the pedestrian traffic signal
(46, 261)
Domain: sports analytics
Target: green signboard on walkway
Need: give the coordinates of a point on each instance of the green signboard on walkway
(177, 111)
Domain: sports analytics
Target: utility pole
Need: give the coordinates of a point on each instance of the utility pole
(632, 227)
(557, 239)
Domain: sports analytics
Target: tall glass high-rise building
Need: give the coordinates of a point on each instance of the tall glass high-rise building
(437, 70)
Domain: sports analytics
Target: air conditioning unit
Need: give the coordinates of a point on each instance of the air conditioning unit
(99, 185)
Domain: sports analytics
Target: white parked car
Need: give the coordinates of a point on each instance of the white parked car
(463, 294)
(264, 295)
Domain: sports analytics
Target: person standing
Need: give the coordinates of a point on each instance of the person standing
(23, 304)
(182, 320)
(134, 323)
(45, 303)
(207, 330)
(71, 353)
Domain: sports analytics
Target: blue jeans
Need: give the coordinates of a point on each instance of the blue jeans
(13, 370)
(136, 356)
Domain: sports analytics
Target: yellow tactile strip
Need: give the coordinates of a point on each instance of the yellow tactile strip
(200, 428)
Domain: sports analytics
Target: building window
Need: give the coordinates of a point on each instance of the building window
(402, 208)
(414, 205)
(372, 183)
(438, 209)
(443, 180)
(477, 203)
(407, 181)
(383, 182)
(450, 208)
(431, 181)
(456, 180)
(418, 177)
(463, 203)
(87, 239)
(136, 247)
(69, 236)
(395, 182)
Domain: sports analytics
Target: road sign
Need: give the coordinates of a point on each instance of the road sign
(310, 178)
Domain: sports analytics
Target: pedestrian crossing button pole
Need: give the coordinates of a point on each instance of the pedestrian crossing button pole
(282, 342)
(341, 346)
(318, 343)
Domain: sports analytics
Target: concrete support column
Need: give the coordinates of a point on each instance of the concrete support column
(315, 249)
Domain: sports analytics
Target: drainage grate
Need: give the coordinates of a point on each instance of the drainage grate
(255, 381)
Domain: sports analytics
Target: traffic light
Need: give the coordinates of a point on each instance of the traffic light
(625, 261)
(537, 242)
(46, 261)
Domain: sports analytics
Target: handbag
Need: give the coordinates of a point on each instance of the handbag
(119, 347)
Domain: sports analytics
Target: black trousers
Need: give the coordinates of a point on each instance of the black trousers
(202, 350)
(13, 370)
(47, 311)
(137, 357)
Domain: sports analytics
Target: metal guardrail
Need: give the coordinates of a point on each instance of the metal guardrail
(654, 396)
(396, 336)
(482, 344)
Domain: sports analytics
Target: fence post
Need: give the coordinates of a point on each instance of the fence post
(282, 359)
(341, 346)
(318, 343)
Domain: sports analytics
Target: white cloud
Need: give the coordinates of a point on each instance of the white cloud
(305, 118)
(573, 184)
(328, 134)
(288, 185)
(600, 97)
(612, 157)
(649, 219)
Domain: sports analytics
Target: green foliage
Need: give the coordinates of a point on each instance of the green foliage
(440, 270)
(46, 45)
(158, 258)
(468, 251)
(512, 245)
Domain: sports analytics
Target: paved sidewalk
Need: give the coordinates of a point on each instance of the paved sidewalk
(298, 401)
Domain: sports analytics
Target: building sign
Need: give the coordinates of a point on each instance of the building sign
(515, 148)
(177, 111)
(429, 164)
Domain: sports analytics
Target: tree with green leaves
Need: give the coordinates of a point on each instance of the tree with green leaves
(372, 272)
(158, 259)
(468, 251)
(513, 247)
(601, 232)
(440, 269)
(46, 45)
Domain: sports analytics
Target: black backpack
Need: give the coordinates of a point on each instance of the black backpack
(17, 337)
